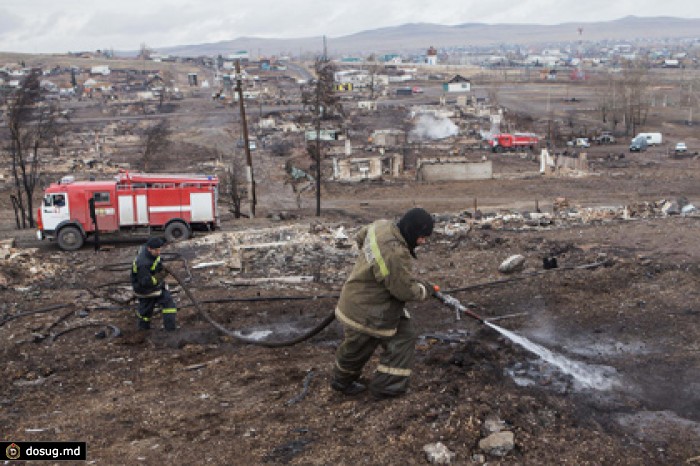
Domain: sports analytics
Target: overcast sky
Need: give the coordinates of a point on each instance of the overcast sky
(42, 26)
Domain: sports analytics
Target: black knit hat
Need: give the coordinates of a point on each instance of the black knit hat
(415, 223)
(155, 243)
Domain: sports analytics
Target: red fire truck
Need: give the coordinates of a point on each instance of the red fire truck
(132, 202)
(516, 141)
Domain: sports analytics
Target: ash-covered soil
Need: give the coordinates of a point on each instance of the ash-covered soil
(623, 302)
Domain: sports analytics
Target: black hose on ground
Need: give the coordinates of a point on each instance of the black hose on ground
(230, 299)
(268, 344)
(323, 324)
(35, 311)
(115, 330)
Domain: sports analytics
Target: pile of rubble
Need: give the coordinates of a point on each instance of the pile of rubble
(21, 268)
(563, 216)
(317, 253)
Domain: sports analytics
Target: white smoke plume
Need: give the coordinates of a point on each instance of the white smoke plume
(429, 127)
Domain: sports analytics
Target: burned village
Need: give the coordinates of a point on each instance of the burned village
(562, 183)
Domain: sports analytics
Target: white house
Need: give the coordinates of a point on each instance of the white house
(100, 69)
(552, 53)
(457, 84)
(400, 79)
(542, 60)
(239, 55)
(431, 56)
(367, 104)
(17, 73)
(358, 78)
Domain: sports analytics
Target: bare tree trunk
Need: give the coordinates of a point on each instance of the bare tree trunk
(322, 104)
(18, 196)
(234, 189)
(18, 210)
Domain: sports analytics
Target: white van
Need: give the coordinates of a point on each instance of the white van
(652, 138)
(579, 142)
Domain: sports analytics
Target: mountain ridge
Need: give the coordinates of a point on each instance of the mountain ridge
(413, 37)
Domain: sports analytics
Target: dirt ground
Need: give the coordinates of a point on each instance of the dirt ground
(622, 303)
(199, 396)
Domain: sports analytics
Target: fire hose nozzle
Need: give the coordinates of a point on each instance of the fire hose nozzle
(458, 307)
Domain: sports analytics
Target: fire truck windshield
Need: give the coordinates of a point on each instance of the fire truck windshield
(55, 200)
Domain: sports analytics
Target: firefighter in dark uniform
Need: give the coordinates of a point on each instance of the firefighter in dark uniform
(371, 306)
(148, 282)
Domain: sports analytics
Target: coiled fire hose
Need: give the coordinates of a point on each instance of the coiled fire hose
(268, 344)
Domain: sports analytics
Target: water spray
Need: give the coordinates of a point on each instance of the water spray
(587, 376)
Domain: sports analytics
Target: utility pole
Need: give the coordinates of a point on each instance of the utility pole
(550, 114)
(246, 142)
(318, 130)
(690, 104)
(318, 147)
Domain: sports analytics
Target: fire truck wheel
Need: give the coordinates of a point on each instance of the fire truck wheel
(176, 231)
(70, 238)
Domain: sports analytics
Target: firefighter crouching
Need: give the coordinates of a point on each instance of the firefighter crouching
(371, 306)
(148, 282)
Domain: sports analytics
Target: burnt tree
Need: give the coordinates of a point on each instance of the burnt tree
(233, 184)
(31, 124)
(322, 104)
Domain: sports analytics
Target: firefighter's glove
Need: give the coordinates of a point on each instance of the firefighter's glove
(428, 289)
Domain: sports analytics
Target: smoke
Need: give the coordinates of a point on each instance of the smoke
(429, 127)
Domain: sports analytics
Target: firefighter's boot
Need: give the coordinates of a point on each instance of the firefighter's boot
(349, 389)
(143, 324)
(169, 321)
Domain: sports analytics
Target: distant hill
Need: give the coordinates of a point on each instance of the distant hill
(418, 36)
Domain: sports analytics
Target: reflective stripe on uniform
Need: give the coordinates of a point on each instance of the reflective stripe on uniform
(170, 310)
(390, 332)
(153, 294)
(394, 370)
(337, 366)
(145, 319)
(153, 269)
(135, 269)
(376, 253)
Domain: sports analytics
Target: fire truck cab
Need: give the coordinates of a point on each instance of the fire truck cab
(510, 142)
(72, 211)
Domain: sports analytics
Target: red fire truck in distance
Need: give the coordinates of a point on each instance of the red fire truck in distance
(505, 142)
(73, 210)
